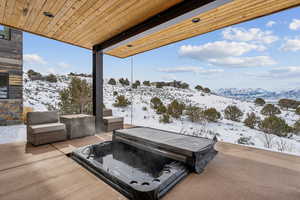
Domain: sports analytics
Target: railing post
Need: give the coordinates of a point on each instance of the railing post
(98, 87)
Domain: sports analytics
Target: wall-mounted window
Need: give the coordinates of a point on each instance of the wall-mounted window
(4, 33)
(4, 82)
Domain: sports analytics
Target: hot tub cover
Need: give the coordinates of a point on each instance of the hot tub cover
(196, 152)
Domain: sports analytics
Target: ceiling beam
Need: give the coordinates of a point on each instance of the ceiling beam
(171, 16)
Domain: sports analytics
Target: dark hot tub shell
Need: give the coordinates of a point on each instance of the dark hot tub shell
(145, 163)
(135, 173)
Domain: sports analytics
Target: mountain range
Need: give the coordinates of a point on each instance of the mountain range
(251, 94)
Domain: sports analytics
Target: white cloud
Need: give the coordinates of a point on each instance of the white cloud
(187, 69)
(291, 45)
(295, 24)
(218, 49)
(169, 77)
(270, 23)
(256, 61)
(64, 65)
(252, 34)
(224, 53)
(33, 59)
(281, 72)
(51, 70)
(38, 63)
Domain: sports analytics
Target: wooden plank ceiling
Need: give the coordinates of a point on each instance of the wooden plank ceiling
(79, 22)
(85, 23)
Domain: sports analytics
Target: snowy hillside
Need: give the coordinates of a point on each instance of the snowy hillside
(42, 95)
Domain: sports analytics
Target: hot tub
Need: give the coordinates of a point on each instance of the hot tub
(144, 163)
(138, 174)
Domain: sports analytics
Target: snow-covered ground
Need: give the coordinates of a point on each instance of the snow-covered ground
(41, 95)
(10, 134)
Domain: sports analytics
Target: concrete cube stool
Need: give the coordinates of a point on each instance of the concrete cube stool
(79, 125)
(113, 123)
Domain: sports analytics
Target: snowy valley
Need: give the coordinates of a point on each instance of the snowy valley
(43, 95)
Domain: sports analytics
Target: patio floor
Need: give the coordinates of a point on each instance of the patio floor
(237, 172)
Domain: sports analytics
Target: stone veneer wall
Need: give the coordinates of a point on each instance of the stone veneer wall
(10, 111)
(11, 62)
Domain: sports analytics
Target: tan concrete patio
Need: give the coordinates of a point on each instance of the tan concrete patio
(237, 172)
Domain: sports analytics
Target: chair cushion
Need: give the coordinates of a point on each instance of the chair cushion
(113, 119)
(34, 118)
(44, 128)
(107, 112)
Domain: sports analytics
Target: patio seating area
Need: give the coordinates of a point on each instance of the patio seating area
(123, 29)
(236, 172)
(49, 127)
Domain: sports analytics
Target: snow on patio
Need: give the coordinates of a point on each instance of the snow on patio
(14, 133)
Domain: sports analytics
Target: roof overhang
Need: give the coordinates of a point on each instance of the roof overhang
(125, 28)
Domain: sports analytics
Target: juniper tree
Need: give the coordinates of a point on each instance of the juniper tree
(259, 101)
(269, 110)
(252, 120)
(233, 113)
(146, 83)
(206, 90)
(51, 78)
(211, 114)
(199, 88)
(175, 109)
(275, 125)
(194, 113)
(121, 101)
(161, 109)
(112, 81)
(297, 127)
(288, 103)
(165, 118)
(124, 82)
(134, 86)
(137, 82)
(184, 86)
(155, 102)
(32, 74)
(76, 98)
(159, 84)
(298, 111)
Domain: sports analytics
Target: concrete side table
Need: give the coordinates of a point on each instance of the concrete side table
(79, 125)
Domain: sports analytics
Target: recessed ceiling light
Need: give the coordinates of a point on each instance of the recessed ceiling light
(25, 11)
(129, 45)
(48, 14)
(195, 20)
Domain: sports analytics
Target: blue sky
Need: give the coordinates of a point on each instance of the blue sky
(262, 53)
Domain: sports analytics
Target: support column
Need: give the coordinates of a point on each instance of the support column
(98, 87)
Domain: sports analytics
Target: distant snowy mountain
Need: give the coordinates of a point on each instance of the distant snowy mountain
(251, 94)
